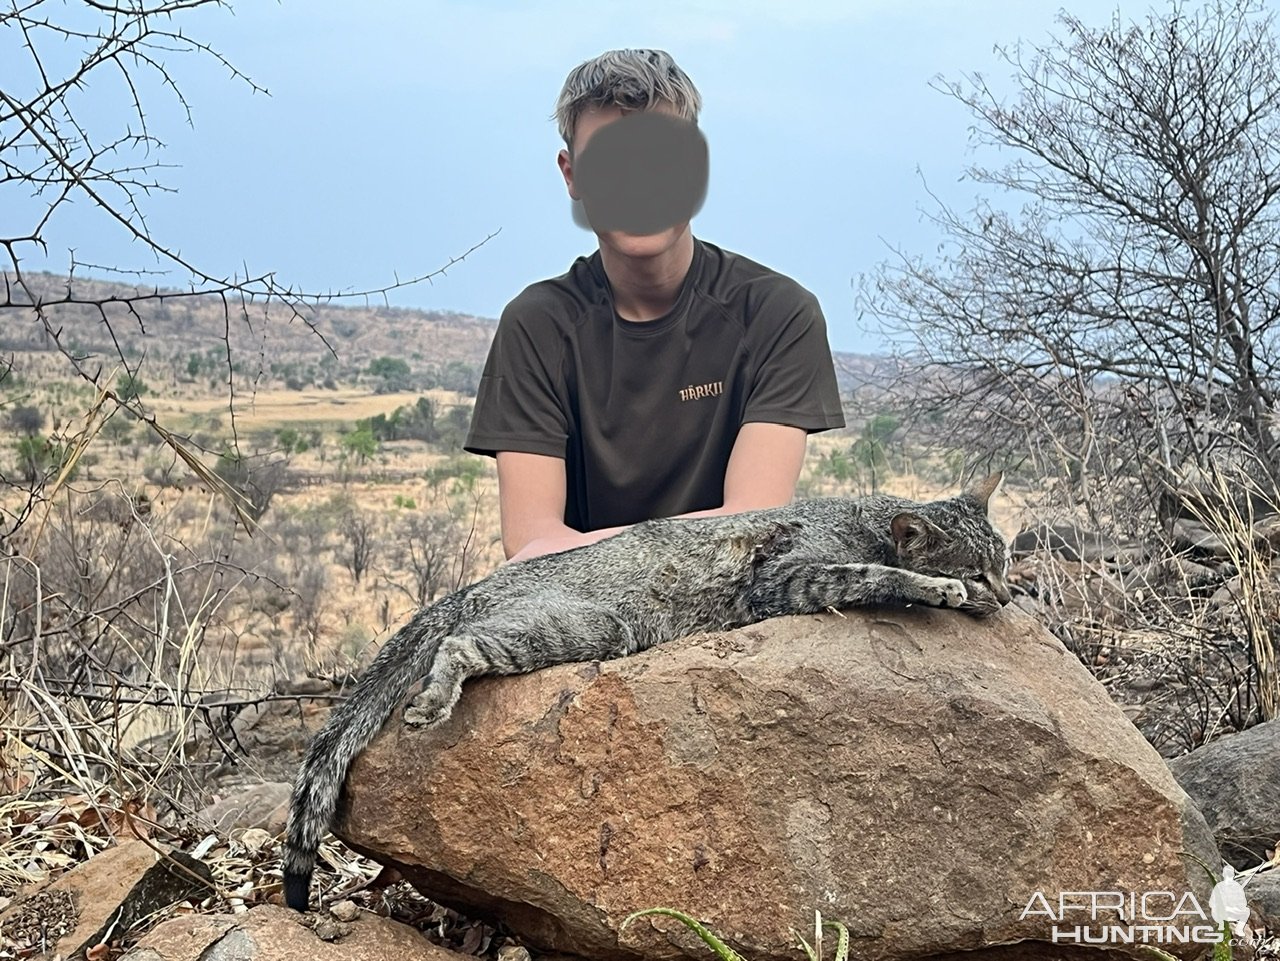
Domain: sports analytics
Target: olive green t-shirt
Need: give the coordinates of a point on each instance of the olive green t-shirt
(645, 414)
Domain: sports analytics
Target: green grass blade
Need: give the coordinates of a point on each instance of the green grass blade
(1222, 951)
(722, 950)
(808, 949)
(842, 939)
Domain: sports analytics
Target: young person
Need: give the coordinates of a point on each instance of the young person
(662, 375)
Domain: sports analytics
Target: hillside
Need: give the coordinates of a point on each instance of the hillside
(181, 338)
(317, 344)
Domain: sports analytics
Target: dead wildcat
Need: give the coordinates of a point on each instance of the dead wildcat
(655, 582)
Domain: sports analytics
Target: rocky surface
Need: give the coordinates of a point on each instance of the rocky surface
(264, 806)
(1233, 781)
(270, 933)
(102, 899)
(1263, 895)
(917, 774)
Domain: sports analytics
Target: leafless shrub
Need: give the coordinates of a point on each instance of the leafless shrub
(1226, 507)
(255, 478)
(359, 532)
(1117, 325)
(72, 133)
(311, 588)
(117, 619)
(433, 550)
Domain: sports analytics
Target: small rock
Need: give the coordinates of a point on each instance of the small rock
(1227, 595)
(254, 840)
(1193, 574)
(1267, 531)
(1263, 892)
(513, 952)
(345, 911)
(1029, 604)
(305, 685)
(1189, 535)
(1232, 781)
(327, 929)
(263, 806)
(1069, 542)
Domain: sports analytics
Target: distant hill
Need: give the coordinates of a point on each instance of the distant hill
(180, 325)
(173, 330)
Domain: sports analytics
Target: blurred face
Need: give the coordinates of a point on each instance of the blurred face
(638, 183)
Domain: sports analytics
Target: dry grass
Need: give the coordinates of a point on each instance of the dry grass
(86, 752)
(276, 408)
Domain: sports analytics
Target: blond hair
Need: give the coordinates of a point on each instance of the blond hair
(635, 79)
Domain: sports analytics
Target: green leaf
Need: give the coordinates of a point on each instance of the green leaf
(1222, 950)
(842, 940)
(808, 949)
(722, 950)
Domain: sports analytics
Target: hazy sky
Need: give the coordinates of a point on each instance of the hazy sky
(399, 134)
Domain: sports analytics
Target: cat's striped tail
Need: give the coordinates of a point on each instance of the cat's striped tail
(404, 659)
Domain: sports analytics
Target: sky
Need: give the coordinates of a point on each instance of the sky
(398, 134)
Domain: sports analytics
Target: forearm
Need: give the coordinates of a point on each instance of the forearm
(554, 539)
(721, 511)
(563, 538)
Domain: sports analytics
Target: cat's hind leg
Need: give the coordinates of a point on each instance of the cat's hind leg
(520, 638)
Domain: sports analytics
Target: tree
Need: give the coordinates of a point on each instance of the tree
(361, 444)
(417, 422)
(451, 429)
(430, 553)
(358, 530)
(76, 94)
(1120, 328)
(26, 420)
(256, 478)
(130, 387)
(392, 373)
(36, 457)
(1121, 323)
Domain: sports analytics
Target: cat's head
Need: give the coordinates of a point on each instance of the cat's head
(955, 538)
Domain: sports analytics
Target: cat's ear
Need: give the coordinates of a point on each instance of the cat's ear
(912, 530)
(983, 490)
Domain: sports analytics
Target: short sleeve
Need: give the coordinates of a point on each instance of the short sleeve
(519, 404)
(794, 377)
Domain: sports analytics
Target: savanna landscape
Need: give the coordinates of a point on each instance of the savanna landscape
(219, 499)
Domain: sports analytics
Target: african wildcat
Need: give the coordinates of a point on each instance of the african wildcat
(657, 581)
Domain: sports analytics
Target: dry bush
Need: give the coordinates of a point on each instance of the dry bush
(433, 549)
(1179, 619)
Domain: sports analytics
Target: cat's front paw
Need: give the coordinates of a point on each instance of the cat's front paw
(944, 592)
(982, 601)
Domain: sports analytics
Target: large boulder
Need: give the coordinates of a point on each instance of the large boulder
(916, 773)
(1233, 782)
